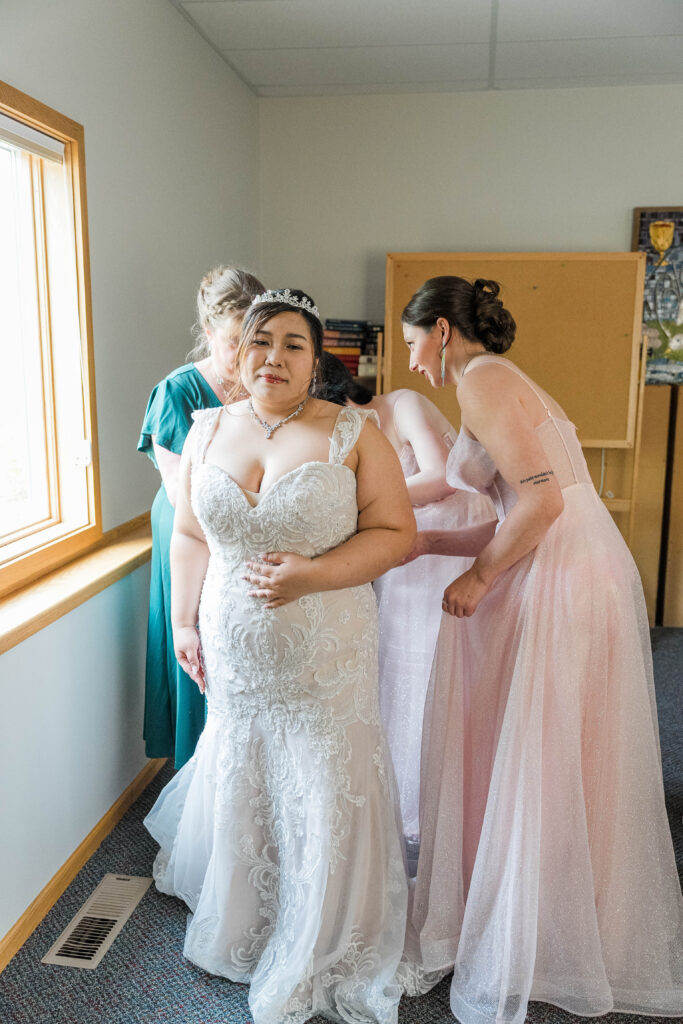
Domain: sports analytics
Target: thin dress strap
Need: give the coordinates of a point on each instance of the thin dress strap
(516, 370)
(347, 428)
(204, 428)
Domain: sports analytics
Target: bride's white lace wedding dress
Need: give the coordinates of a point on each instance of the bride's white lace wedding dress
(280, 833)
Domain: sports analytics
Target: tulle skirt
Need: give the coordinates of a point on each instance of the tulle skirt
(546, 866)
(409, 604)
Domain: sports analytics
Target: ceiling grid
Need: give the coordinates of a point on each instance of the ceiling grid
(327, 47)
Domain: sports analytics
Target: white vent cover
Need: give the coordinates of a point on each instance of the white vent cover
(89, 935)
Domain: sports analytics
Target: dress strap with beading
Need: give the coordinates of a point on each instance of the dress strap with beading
(204, 428)
(347, 428)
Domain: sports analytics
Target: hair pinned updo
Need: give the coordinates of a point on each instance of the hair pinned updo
(474, 309)
(223, 291)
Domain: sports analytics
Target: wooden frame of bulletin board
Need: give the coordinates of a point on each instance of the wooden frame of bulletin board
(578, 335)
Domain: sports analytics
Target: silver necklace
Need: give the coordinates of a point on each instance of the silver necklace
(270, 428)
(221, 382)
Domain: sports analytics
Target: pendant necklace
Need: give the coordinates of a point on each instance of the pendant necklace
(221, 382)
(270, 428)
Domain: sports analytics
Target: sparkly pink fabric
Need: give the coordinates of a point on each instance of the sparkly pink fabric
(546, 866)
(409, 604)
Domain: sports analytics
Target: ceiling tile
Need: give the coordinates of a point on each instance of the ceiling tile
(587, 19)
(659, 55)
(352, 66)
(275, 24)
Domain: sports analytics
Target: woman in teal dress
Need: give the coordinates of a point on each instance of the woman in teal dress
(174, 707)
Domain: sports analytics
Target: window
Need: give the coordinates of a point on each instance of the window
(49, 494)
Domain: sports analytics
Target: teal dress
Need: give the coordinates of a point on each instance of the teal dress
(174, 708)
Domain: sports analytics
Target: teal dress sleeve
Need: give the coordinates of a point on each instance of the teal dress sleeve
(168, 417)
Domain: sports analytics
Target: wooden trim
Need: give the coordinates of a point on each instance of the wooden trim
(118, 553)
(46, 899)
(51, 554)
(38, 115)
(435, 257)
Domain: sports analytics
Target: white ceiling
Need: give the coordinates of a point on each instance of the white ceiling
(337, 47)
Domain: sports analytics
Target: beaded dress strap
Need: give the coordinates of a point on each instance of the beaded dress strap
(347, 428)
(204, 428)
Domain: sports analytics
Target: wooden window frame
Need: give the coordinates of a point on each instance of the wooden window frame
(26, 568)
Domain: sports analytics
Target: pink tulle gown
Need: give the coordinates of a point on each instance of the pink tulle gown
(409, 604)
(546, 865)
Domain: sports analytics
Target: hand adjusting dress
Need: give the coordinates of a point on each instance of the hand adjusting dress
(546, 865)
(280, 833)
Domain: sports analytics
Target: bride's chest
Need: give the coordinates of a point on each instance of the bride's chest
(308, 510)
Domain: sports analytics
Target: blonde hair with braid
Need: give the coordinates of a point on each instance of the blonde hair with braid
(225, 290)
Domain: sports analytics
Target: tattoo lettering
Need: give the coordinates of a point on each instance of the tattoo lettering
(538, 478)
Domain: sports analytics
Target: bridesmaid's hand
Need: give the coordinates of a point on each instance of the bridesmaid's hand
(188, 651)
(464, 594)
(280, 577)
(421, 547)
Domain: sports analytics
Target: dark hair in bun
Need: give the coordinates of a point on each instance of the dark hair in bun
(473, 309)
(337, 383)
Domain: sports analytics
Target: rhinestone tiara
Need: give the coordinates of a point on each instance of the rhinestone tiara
(286, 297)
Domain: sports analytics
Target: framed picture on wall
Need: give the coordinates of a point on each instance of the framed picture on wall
(658, 231)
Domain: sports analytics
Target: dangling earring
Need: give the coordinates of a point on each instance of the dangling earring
(443, 365)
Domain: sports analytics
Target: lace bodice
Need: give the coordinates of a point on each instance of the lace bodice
(308, 510)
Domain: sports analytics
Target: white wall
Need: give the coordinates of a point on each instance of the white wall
(171, 143)
(70, 734)
(344, 180)
(171, 140)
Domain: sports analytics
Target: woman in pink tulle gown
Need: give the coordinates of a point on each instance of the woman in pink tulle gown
(409, 596)
(546, 865)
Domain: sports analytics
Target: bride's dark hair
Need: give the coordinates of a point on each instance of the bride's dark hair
(474, 309)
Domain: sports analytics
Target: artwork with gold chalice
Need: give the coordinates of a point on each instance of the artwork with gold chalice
(660, 234)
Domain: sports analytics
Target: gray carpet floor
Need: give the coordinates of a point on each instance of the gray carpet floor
(143, 979)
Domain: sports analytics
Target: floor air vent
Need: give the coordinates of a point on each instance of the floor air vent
(89, 935)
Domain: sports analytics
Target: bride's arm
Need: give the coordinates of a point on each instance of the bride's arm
(386, 531)
(189, 559)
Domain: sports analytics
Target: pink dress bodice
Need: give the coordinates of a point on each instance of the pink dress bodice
(471, 468)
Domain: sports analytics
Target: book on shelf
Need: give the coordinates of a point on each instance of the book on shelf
(334, 335)
(343, 350)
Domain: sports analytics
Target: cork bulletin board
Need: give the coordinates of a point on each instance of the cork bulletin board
(578, 330)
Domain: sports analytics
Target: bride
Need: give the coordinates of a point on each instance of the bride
(280, 832)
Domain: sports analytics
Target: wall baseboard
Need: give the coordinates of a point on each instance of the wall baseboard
(46, 899)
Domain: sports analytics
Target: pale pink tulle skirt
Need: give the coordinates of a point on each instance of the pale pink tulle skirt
(546, 865)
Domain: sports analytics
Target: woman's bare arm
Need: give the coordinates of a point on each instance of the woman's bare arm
(169, 466)
(189, 559)
(502, 424)
(430, 449)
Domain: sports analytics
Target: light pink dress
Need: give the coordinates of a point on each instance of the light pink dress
(546, 865)
(409, 603)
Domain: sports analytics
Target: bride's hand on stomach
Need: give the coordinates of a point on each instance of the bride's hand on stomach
(280, 577)
(189, 654)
